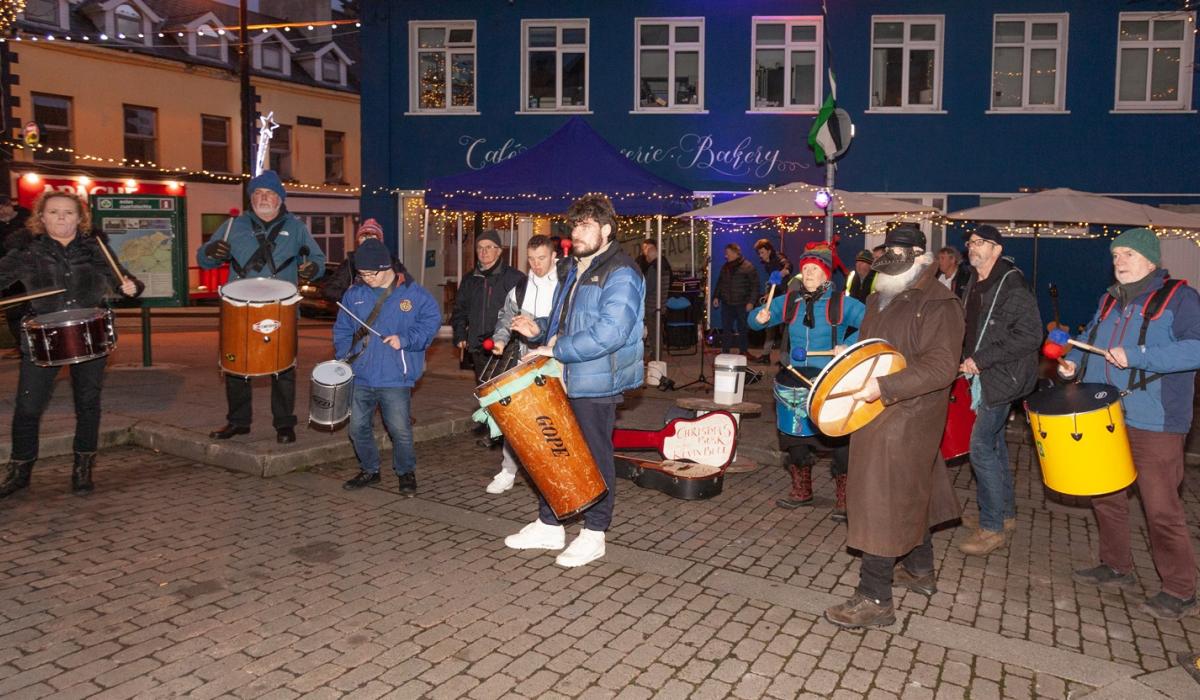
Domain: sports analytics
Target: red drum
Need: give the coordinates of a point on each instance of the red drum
(960, 419)
(70, 336)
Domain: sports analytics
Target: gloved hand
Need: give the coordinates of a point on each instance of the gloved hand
(218, 250)
(306, 270)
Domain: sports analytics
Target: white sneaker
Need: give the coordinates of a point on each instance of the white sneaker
(501, 482)
(538, 535)
(587, 547)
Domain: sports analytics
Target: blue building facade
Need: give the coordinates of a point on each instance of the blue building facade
(955, 103)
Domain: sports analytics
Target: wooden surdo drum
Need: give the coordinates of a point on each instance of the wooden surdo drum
(258, 327)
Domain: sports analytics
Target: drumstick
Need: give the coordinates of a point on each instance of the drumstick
(111, 261)
(233, 213)
(806, 379)
(1088, 348)
(356, 318)
(27, 297)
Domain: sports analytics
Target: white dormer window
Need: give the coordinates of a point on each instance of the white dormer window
(206, 38)
(127, 22)
(329, 65)
(273, 53)
(50, 12)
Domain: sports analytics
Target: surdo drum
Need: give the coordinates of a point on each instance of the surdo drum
(529, 404)
(330, 392)
(1081, 440)
(258, 327)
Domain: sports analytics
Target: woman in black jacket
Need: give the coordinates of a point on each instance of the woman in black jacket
(61, 255)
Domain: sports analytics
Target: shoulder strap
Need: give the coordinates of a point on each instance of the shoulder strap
(1151, 310)
(361, 333)
(520, 291)
(834, 312)
(790, 307)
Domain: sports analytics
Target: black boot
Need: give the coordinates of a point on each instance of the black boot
(81, 473)
(17, 477)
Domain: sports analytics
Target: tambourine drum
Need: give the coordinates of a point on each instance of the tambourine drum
(1081, 440)
(331, 389)
(538, 423)
(830, 406)
(791, 402)
(69, 337)
(960, 420)
(258, 327)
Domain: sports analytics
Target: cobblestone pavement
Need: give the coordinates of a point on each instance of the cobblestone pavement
(177, 579)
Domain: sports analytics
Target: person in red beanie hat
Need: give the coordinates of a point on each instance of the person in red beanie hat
(339, 281)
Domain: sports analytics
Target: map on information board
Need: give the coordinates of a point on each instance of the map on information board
(144, 247)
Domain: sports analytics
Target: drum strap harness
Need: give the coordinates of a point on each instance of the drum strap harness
(361, 333)
(833, 310)
(265, 255)
(511, 389)
(1151, 310)
(974, 380)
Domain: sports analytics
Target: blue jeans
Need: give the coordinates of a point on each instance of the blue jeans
(393, 404)
(989, 461)
(733, 322)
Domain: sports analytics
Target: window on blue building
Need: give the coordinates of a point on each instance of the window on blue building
(554, 66)
(786, 68)
(441, 67)
(1154, 60)
(669, 59)
(906, 63)
(1029, 62)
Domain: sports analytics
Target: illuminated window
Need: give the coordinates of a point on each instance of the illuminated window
(786, 64)
(1154, 60)
(441, 66)
(1029, 62)
(554, 65)
(669, 59)
(906, 63)
(53, 116)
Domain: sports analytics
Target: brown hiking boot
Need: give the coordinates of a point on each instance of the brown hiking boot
(839, 506)
(972, 521)
(925, 584)
(801, 493)
(983, 542)
(861, 611)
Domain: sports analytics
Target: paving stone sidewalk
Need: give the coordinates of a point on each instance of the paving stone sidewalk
(177, 579)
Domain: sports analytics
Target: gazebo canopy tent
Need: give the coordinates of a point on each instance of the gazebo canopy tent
(796, 200)
(548, 177)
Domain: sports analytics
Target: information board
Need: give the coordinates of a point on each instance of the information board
(146, 233)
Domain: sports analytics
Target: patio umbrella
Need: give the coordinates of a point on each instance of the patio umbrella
(796, 199)
(1050, 210)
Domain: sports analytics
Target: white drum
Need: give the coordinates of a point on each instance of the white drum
(329, 396)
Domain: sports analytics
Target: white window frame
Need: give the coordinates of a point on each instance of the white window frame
(1187, 53)
(60, 11)
(288, 50)
(559, 25)
(343, 62)
(414, 81)
(907, 45)
(1028, 43)
(215, 31)
(671, 48)
(788, 46)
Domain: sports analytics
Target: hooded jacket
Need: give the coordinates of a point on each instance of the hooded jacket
(287, 250)
(409, 312)
(738, 285)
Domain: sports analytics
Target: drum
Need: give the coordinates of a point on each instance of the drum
(258, 327)
(791, 402)
(1081, 440)
(830, 405)
(535, 416)
(960, 420)
(329, 395)
(70, 336)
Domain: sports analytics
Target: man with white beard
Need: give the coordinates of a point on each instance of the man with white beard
(897, 486)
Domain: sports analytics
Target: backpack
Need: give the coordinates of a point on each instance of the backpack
(1152, 309)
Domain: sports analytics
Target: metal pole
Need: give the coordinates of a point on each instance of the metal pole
(459, 263)
(424, 242)
(829, 210)
(692, 243)
(247, 99)
(658, 295)
(147, 358)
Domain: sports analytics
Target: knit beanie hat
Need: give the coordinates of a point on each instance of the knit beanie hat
(490, 235)
(819, 254)
(268, 180)
(369, 229)
(372, 256)
(1143, 240)
(864, 256)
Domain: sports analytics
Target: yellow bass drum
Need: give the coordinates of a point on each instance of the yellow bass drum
(1081, 441)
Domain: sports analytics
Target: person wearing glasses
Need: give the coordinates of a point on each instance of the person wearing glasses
(386, 363)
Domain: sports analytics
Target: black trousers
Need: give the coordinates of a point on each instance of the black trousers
(596, 419)
(875, 574)
(35, 386)
(283, 400)
(801, 451)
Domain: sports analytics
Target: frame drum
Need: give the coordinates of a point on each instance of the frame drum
(830, 405)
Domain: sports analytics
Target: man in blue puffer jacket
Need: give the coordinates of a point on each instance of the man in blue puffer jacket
(1159, 372)
(594, 329)
(386, 366)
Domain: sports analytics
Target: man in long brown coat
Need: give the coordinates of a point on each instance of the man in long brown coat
(897, 486)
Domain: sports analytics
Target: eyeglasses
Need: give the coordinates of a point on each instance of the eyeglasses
(370, 273)
(976, 242)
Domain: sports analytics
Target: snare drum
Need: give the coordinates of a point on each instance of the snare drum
(70, 336)
(329, 395)
(830, 405)
(791, 402)
(538, 423)
(258, 327)
(960, 420)
(1081, 440)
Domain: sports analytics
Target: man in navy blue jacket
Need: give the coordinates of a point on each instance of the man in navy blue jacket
(387, 365)
(594, 329)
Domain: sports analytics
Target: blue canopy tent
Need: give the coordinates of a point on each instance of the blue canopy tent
(548, 177)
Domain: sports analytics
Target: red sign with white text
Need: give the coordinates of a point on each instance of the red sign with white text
(28, 188)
